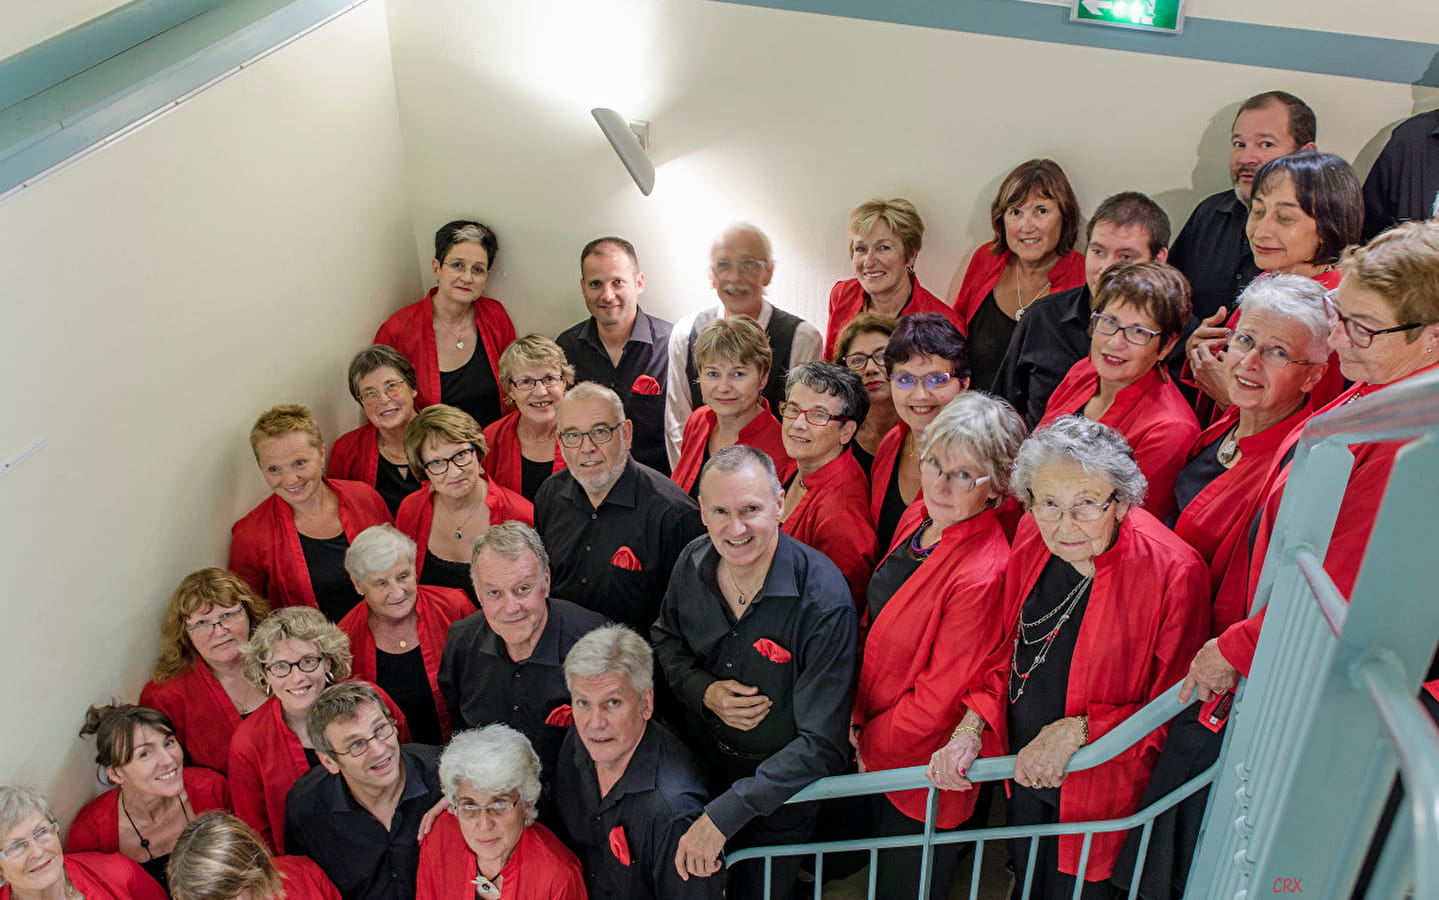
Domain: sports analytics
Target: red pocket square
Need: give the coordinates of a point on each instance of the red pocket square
(645, 385)
(772, 651)
(561, 716)
(619, 846)
(625, 558)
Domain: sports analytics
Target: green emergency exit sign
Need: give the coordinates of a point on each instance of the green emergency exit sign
(1148, 15)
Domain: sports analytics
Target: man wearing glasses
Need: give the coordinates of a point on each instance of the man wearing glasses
(358, 813)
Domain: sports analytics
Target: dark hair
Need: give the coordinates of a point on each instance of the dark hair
(461, 230)
(864, 323)
(1302, 126)
(377, 356)
(1133, 208)
(1045, 178)
(1328, 192)
(1158, 288)
(599, 244)
(927, 334)
(834, 380)
(114, 729)
(339, 703)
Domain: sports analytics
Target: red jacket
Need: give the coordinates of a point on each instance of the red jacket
(882, 469)
(832, 518)
(204, 716)
(847, 300)
(356, 456)
(97, 825)
(436, 608)
(265, 547)
(304, 879)
(985, 268)
(926, 655)
(503, 460)
(417, 511)
(540, 868)
(1147, 616)
(762, 433)
(106, 876)
(412, 332)
(1151, 414)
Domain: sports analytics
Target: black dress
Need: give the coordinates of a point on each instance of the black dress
(989, 334)
(393, 484)
(403, 677)
(325, 558)
(472, 388)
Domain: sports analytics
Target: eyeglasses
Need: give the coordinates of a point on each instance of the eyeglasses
(747, 266)
(441, 466)
(857, 361)
(219, 621)
(474, 810)
(959, 480)
(933, 381)
(45, 834)
(1133, 333)
(479, 270)
(305, 664)
(1360, 335)
(1275, 357)
(525, 385)
(359, 746)
(1083, 511)
(814, 416)
(600, 434)
(391, 389)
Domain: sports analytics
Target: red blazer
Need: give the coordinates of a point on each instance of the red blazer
(832, 519)
(265, 547)
(412, 332)
(356, 455)
(1153, 417)
(847, 300)
(1147, 616)
(304, 879)
(762, 433)
(882, 469)
(107, 876)
(985, 268)
(541, 868)
(927, 653)
(417, 511)
(503, 458)
(436, 607)
(204, 716)
(97, 825)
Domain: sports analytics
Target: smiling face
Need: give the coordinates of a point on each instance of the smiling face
(1064, 484)
(41, 865)
(219, 640)
(296, 689)
(1119, 361)
(491, 836)
(944, 480)
(462, 274)
(1031, 229)
(540, 404)
(610, 718)
(292, 466)
(596, 466)
(730, 388)
(612, 286)
(1259, 135)
(514, 596)
(390, 594)
(389, 402)
(457, 482)
(1282, 236)
(740, 270)
(1110, 244)
(918, 405)
(880, 260)
(155, 765)
(741, 511)
(380, 766)
(811, 446)
(1256, 385)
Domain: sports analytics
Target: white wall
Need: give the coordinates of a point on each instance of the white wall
(158, 296)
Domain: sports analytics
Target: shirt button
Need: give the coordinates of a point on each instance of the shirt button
(584, 581)
(729, 665)
(587, 548)
(594, 516)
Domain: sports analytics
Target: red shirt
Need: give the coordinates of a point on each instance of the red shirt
(356, 456)
(503, 459)
(412, 332)
(833, 519)
(97, 825)
(847, 300)
(417, 513)
(882, 469)
(539, 868)
(304, 879)
(204, 716)
(265, 547)
(762, 433)
(106, 876)
(984, 271)
(927, 653)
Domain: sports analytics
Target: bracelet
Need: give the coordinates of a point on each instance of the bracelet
(1083, 729)
(966, 729)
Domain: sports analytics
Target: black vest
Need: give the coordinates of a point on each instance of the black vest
(780, 332)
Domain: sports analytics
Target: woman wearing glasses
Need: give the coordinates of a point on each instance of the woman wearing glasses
(34, 867)
(454, 336)
(825, 502)
(218, 857)
(1104, 607)
(860, 348)
(199, 679)
(1139, 311)
(446, 447)
(934, 607)
(383, 383)
(732, 356)
(291, 548)
(489, 844)
(523, 452)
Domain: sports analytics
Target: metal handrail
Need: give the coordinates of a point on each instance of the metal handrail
(1331, 602)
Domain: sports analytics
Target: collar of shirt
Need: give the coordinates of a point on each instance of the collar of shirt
(780, 581)
(639, 774)
(643, 331)
(547, 650)
(1081, 308)
(337, 796)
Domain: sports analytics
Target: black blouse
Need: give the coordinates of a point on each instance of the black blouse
(472, 387)
(447, 573)
(989, 334)
(403, 677)
(325, 558)
(894, 571)
(532, 475)
(1195, 477)
(394, 486)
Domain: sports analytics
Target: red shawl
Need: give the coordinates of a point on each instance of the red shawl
(882, 469)
(204, 716)
(97, 825)
(418, 509)
(356, 455)
(985, 268)
(831, 518)
(847, 300)
(412, 332)
(762, 433)
(106, 876)
(540, 868)
(503, 459)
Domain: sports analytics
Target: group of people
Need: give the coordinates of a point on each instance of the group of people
(574, 617)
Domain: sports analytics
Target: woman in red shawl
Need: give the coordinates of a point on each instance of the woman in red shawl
(34, 867)
(383, 383)
(218, 857)
(534, 374)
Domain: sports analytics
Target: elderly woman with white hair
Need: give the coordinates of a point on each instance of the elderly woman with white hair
(398, 634)
(490, 846)
(219, 857)
(1106, 607)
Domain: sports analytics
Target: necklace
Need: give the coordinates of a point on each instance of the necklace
(460, 528)
(458, 336)
(916, 552)
(489, 888)
(745, 596)
(144, 841)
(1019, 296)
(1068, 605)
(1229, 447)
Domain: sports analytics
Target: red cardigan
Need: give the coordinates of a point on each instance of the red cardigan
(985, 268)
(540, 868)
(265, 547)
(762, 433)
(831, 518)
(503, 460)
(356, 455)
(412, 332)
(106, 876)
(926, 655)
(97, 825)
(417, 511)
(1151, 414)
(882, 469)
(847, 300)
(204, 716)
(436, 607)
(304, 879)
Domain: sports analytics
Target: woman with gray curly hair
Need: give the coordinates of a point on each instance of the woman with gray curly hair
(490, 845)
(1105, 609)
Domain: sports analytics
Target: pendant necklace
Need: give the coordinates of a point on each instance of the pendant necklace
(144, 841)
(459, 337)
(745, 596)
(1068, 605)
(1229, 448)
(460, 528)
(489, 888)
(1019, 297)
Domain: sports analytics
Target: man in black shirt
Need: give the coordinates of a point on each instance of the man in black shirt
(1404, 183)
(756, 637)
(620, 346)
(358, 813)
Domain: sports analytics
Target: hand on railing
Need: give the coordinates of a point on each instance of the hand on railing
(699, 849)
(1042, 762)
(950, 763)
(1210, 672)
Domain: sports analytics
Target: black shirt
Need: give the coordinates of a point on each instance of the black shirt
(403, 677)
(1049, 339)
(862, 456)
(325, 558)
(1404, 183)
(646, 353)
(532, 475)
(1213, 253)
(393, 486)
(1195, 477)
(324, 822)
(795, 642)
(989, 334)
(891, 508)
(655, 801)
(447, 573)
(472, 388)
(894, 571)
(645, 512)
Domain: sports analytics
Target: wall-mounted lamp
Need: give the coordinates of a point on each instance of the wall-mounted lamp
(630, 140)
